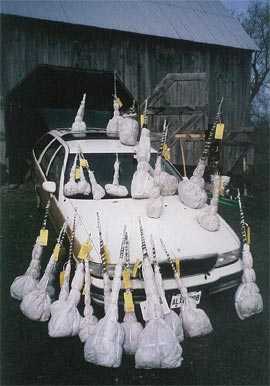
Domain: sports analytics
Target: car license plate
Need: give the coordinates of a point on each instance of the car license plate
(177, 300)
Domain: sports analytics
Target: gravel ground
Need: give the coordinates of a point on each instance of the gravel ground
(235, 353)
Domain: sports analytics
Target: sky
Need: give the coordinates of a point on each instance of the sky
(238, 5)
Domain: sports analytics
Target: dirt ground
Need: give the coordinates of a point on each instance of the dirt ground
(235, 353)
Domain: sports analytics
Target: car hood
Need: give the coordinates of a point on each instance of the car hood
(177, 227)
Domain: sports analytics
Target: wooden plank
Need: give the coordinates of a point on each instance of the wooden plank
(175, 110)
(186, 126)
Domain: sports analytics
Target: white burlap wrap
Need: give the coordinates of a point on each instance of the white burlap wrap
(195, 321)
(132, 329)
(154, 203)
(28, 282)
(128, 131)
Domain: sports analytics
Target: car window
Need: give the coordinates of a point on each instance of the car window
(55, 168)
(41, 144)
(103, 167)
(46, 158)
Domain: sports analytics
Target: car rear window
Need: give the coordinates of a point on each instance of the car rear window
(103, 167)
(48, 155)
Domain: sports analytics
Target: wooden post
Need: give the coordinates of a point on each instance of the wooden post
(244, 171)
(183, 156)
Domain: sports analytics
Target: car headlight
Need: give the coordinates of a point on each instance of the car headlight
(227, 258)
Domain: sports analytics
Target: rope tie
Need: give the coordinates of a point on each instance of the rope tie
(101, 245)
(46, 214)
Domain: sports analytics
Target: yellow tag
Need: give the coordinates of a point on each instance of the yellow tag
(61, 278)
(119, 102)
(56, 251)
(126, 278)
(219, 131)
(142, 120)
(77, 174)
(248, 235)
(135, 268)
(166, 152)
(129, 305)
(107, 256)
(43, 237)
(84, 251)
(83, 163)
(177, 266)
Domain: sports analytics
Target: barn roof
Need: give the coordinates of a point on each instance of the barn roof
(198, 21)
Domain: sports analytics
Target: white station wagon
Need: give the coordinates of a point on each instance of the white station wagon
(210, 261)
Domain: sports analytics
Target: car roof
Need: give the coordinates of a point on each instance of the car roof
(93, 141)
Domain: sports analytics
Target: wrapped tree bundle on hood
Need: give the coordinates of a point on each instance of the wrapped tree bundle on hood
(71, 187)
(26, 283)
(191, 192)
(158, 345)
(154, 203)
(36, 304)
(208, 219)
(97, 190)
(115, 189)
(132, 328)
(248, 300)
(104, 345)
(83, 186)
(195, 322)
(143, 182)
(114, 124)
(170, 317)
(66, 321)
(89, 320)
(129, 127)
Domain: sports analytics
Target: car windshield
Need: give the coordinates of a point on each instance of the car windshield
(103, 167)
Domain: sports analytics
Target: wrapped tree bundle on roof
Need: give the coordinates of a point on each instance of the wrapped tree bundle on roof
(26, 283)
(191, 191)
(89, 320)
(195, 322)
(114, 123)
(36, 304)
(208, 218)
(115, 189)
(170, 317)
(129, 127)
(248, 300)
(104, 346)
(158, 345)
(132, 328)
(78, 125)
(66, 321)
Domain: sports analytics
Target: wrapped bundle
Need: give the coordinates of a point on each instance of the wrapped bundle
(78, 125)
(158, 345)
(106, 279)
(97, 190)
(104, 345)
(208, 219)
(168, 184)
(132, 328)
(64, 292)
(115, 189)
(195, 322)
(129, 128)
(154, 203)
(170, 317)
(71, 187)
(191, 192)
(89, 320)
(66, 321)
(114, 124)
(83, 186)
(28, 282)
(65, 317)
(248, 300)
(36, 304)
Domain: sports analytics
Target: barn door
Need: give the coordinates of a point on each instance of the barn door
(181, 99)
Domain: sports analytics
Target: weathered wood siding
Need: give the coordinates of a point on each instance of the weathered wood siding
(141, 61)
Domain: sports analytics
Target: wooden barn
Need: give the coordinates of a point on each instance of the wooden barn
(182, 55)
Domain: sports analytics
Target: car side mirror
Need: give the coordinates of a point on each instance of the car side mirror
(49, 186)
